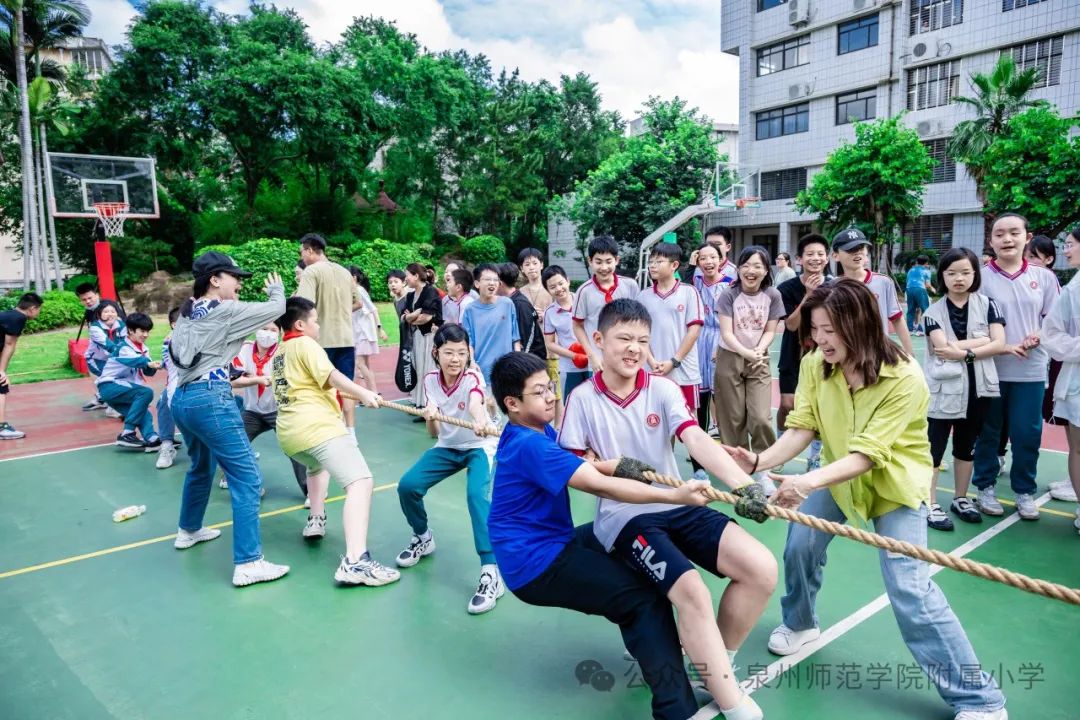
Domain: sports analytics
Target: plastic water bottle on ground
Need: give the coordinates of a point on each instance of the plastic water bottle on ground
(126, 513)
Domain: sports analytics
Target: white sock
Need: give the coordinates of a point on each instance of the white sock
(747, 709)
(731, 657)
(426, 536)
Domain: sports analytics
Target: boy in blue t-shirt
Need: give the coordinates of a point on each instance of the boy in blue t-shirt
(491, 321)
(918, 294)
(546, 561)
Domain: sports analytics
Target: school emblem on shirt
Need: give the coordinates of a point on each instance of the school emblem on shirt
(652, 420)
(1034, 284)
(680, 308)
(461, 406)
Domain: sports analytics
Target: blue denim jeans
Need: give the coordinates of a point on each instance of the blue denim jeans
(928, 625)
(133, 402)
(166, 425)
(208, 417)
(917, 301)
(1021, 404)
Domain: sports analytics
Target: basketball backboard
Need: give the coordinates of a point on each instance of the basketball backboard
(76, 182)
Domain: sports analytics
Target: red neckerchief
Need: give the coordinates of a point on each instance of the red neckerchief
(260, 364)
(291, 335)
(609, 294)
(142, 351)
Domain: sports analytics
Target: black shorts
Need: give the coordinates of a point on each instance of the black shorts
(789, 380)
(5, 387)
(664, 545)
(344, 359)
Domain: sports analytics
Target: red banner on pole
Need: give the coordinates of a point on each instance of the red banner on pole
(106, 286)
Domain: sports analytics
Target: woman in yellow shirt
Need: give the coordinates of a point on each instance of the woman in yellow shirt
(867, 399)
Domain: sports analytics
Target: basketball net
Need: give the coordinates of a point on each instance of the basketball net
(112, 216)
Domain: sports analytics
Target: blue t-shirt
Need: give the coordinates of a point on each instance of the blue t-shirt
(530, 523)
(493, 330)
(918, 276)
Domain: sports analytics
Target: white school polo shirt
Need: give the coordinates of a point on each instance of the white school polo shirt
(559, 322)
(590, 300)
(452, 309)
(454, 401)
(673, 314)
(884, 290)
(640, 425)
(1024, 298)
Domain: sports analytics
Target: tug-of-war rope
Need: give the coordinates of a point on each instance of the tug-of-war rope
(971, 567)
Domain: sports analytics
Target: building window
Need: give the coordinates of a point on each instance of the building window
(857, 35)
(769, 242)
(945, 168)
(1007, 5)
(1042, 54)
(933, 85)
(860, 105)
(767, 4)
(782, 184)
(930, 15)
(930, 232)
(783, 121)
(783, 55)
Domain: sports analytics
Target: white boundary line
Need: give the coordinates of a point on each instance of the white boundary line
(776, 668)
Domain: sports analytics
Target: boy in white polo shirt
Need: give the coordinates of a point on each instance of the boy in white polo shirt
(677, 317)
(1024, 292)
(571, 368)
(603, 287)
(851, 250)
(625, 409)
(459, 294)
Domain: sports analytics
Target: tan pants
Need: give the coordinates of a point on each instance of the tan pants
(742, 395)
(423, 363)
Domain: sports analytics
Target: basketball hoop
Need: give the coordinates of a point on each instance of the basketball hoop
(112, 216)
(743, 202)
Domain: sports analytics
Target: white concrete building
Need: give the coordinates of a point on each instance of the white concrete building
(808, 66)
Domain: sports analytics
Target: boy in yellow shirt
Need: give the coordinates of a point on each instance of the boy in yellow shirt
(311, 431)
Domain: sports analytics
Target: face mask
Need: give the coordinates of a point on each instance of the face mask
(266, 338)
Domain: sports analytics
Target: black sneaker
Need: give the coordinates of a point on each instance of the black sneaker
(152, 445)
(129, 440)
(937, 519)
(963, 508)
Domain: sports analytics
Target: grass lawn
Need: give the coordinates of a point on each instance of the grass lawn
(44, 356)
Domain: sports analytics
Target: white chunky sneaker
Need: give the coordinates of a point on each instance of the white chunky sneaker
(365, 571)
(315, 527)
(1063, 491)
(988, 504)
(256, 572)
(416, 549)
(488, 591)
(185, 539)
(1000, 714)
(785, 641)
(166, 457)
(1026, 507)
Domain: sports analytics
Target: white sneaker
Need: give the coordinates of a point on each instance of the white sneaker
(315, 527)
(944, 466)
(365, 571)
(185, 539)
(1063, 491)
(222, 482)
(307, 503)
(1026, 508)
(110, 413)
(987, 502)
(256, 572)
(1076, 522)
(415, 550)
(166, 457)
(488, 591)
(1000, 714)
(766, 484)
(9, 433)
(785, 641)
(700, 475)
(1001, 465)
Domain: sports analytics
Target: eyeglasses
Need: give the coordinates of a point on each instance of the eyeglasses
(548, 389)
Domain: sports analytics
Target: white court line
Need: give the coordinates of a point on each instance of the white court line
(834, 632)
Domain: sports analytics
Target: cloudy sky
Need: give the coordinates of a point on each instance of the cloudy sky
(632, 48)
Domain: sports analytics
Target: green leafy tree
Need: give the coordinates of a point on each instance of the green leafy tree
(1033, 168)
(654, 176)
(875, 183)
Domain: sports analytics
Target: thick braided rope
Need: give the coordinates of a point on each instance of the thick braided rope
(971, 567)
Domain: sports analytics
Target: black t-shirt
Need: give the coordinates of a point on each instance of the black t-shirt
(958, 318)
(792, 293)
(529, 326)
(12, 323)
(427, 302)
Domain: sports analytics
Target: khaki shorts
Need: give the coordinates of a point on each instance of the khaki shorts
(553, 373)
(338, 456)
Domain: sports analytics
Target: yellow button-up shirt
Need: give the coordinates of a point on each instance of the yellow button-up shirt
(885, 421)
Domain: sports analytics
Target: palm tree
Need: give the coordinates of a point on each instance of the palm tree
(13, 10)
(999, 96)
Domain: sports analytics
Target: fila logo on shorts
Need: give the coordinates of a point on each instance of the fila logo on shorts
(644, 554)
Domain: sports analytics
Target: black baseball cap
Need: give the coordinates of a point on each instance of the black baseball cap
(848, 240)
(212, 263)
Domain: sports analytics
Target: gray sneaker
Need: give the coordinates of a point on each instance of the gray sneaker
(365, 571)
(987, 502)
(1026, 508)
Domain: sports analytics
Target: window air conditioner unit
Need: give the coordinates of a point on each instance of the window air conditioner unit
(927, 127)
(798, 12)
(798, 90)
(925, 50)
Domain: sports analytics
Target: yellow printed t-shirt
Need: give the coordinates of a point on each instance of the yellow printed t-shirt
(334, 293)
(885, 421)
(308, 412)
